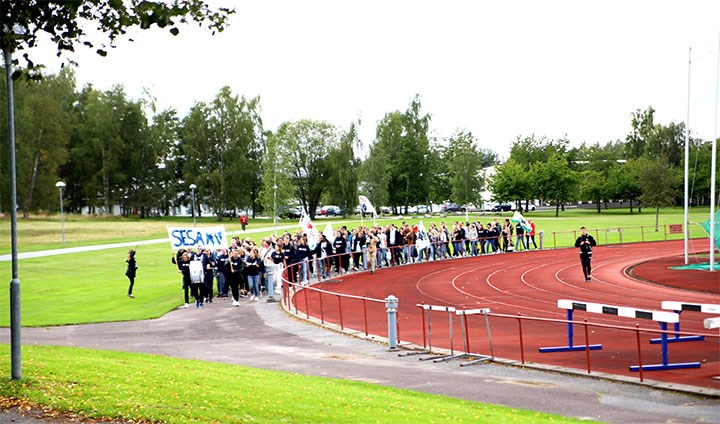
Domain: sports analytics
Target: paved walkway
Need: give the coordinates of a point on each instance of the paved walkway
(260, 334)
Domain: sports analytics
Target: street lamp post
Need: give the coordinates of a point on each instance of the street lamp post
(15, 323)
(61, 186)
(193, 187)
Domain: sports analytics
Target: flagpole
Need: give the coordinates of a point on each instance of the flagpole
(713, 165)
(687, 156)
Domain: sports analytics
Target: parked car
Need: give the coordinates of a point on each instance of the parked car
(451, 207)
(330, 211)
(502, 207)
(289, 212)
(385, 210)
(422, 210)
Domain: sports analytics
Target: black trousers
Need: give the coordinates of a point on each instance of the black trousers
(585, 261)
(132, 282)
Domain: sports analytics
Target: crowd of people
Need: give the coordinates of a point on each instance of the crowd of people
(248, 270)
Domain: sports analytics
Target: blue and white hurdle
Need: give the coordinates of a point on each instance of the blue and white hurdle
(662, 317)
(678, 307)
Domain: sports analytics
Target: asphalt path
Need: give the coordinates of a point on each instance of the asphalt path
(263, 335)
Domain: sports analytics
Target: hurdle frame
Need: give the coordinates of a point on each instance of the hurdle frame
(678, 307)
(478, 358)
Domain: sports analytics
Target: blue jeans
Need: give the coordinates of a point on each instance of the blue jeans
(254, 284)
(270, 281)
(221, 284)
(304, 270)
(520, 240)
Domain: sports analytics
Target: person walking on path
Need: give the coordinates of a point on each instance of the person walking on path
(131, 270)
(585, 242)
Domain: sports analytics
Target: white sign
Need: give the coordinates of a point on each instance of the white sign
(184, 237)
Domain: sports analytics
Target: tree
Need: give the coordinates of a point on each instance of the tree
(43, 110)
(374, 175)
(304, 156)
(659, 181)
(404, 139)
(642, 129)
(25, 23)
(465, 163)
(510, 181)
(597, 163)
(556, 180)
(344, 166)
(219, 143)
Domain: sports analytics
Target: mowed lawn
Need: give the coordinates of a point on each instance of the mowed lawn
(91, 287)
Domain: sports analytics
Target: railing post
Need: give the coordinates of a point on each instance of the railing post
(391, 305)
(587, 346)
(522, 351)
(322, 311)
(642, 233)
(640, 364)
(365, 314)
(342, 327)
(307, 310)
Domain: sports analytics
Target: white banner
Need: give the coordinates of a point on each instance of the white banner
(189, 237)
(366, 206)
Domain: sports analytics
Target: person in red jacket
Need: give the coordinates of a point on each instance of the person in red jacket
(243, 221)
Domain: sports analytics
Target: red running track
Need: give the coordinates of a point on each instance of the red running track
(529, 284)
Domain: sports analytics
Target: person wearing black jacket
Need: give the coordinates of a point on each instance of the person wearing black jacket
(323, 251)
(184, 268)
(342, 259)
(585, 242)
(304, 254)
(209, 267)
(234, 275)
(131, 270)
(291, 258)
(177, 259)
(358, 242)
(221, 260)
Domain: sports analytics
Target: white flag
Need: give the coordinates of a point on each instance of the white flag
(309, 229)
(422, 241)
(366, 206)
(517, 217)
(329, 233)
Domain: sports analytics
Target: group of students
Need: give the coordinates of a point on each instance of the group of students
(243, 269)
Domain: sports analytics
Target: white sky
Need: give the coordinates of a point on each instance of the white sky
(499, 69)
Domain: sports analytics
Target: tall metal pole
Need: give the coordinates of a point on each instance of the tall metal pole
(687, 157)
(193, 187)
(713, 163)
(15, 345)
(275, 211)
(61, 185)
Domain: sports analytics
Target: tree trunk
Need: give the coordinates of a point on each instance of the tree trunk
(598, 206)
(631, 207)
(557, 210)
(31, 186)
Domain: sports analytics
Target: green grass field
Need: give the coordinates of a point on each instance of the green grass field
(152, 388)
(91, 286)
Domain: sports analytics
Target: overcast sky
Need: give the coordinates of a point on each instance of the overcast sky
(498, 69)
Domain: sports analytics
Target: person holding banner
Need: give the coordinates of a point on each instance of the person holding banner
(209, 267)
(131, 270)
(184, 268)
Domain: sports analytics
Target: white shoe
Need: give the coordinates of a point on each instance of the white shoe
(185, 306)
(236, 303)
